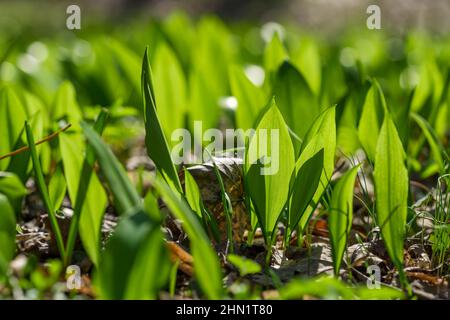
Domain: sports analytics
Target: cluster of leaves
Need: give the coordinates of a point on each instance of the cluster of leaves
(402, 135)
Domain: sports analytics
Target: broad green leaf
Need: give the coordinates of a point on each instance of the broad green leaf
(211, 55)
(12, 117)
(206, 264)
(132, 258)
(181, 41)
(13, 189)
(307, 59)
(430, 86)
(340, 216)
(57, 188)
(274, 55)
(391, 190)
(86, 224)
(7, 234)
(245, 266)
(150, 269)
(157, 147)
(371, 117)
(170, 89)
(65, 104)
(295, 100)
(271, 161)
(325, 127)
(304, 187)
(203, 100)
(95, 201)
(192, 192)
(127, 61)
(251, 99)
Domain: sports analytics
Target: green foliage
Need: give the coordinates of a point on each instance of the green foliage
(13, 189)
(323, 134)
(391, 188)
(135, 249)
(12, 117)
(296, 101)
(251, 99)
(7, 234)
(244, 265)
(206, 265)
(170, 89)
(331, 288)
(372, 115)
(86, 193)
(270, 162)
(341, 216)
(305, 185)
(44, 192)
(155, 140)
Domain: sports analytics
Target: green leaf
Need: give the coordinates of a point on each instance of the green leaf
(251, 99)
(12, 117)
(94, 204)
(65, 104)
(245, 266)
(206, 264)
(150, 270)
(134, 250)
(13, 189)
(39, 177)
(371, 117)
(391, 190)
(325, 127)
(304, 187)
(274, 55)
(125, 195)
(307, 58)
(57, 187)
(89, 223)
(170, 89)
(157, 147)
(296, 101)
(129, 264)
(268, 183)
(193, 195)
(7, 234)
(340, 216)
(430, 135)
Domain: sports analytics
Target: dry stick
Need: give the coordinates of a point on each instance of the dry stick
(25, 148)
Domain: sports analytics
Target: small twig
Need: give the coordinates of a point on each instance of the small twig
(25, 148)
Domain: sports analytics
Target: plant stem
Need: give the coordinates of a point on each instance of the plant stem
(44, 192)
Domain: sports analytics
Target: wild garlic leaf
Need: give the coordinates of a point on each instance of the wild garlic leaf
(325, 127)
(391, 190)
(271, 161)
(157, 147)
(295, 100)
(7, 234)
(340, 216)
(371, 118)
